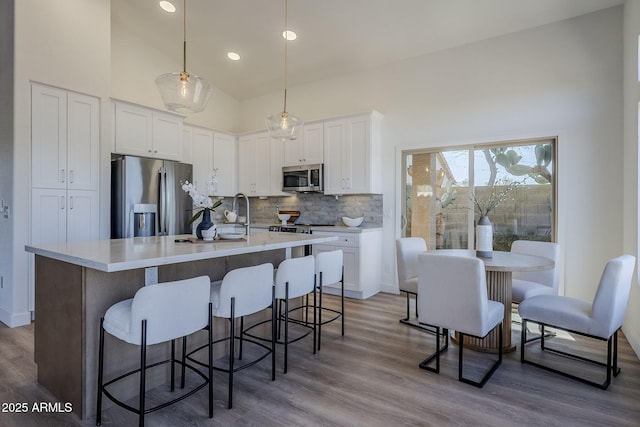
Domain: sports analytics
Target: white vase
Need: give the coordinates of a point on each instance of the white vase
(484, 238)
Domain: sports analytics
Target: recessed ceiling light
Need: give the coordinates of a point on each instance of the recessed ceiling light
(167, 6)
(233, 56)
(289, 35)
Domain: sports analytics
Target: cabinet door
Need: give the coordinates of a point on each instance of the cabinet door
(187, 144)
(48, 215)
(262, 165)
(277, 161)
(225, 160)
(133, 130)
(313, 143)
(246, 165)
(350, 260)
(309, 149)
(167, 136)
(357, 157)
(83, 130)
(82, 215)
(48, 137)
(334, 135)
(202, 157)
(292, 153)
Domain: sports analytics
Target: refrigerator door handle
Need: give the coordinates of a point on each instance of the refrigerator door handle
(162, 223)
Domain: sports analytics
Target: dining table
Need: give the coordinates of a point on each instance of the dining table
(499, 269)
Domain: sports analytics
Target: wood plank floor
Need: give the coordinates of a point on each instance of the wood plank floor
(370, 377)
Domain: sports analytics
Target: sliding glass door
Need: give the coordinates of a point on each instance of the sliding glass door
(438, 187)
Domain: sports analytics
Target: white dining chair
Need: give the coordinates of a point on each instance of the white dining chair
(452, 295)
(407, 251)
(526, 284)
(599, 319)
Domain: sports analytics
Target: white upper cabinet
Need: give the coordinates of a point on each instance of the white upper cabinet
(64, 139)
(307, 150)
(225, 161)
(208, 150)
(352, 155)
(141, 131)
(202, 156)
(254, 164)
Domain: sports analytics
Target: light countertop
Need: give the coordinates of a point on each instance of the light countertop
(142, 252)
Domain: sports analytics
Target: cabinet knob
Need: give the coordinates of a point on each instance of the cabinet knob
(62, 175)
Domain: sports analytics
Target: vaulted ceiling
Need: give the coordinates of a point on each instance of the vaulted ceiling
(334, 36)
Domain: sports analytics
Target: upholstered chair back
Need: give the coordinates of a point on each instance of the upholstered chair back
(610, 303)
(172, 310)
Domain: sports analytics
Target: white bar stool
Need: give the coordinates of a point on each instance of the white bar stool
(242, 292)
(329, 271)
(157, 314)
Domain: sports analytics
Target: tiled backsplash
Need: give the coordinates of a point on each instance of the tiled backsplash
(315, 208)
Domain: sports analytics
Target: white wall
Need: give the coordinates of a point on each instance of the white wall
(64, 44)
(631, 159)
(6, 152)
(561, 79)
(134, 67)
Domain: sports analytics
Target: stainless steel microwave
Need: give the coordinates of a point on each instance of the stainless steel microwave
(303, 178)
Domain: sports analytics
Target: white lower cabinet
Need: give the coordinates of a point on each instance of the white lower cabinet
(63, 215)
(362, 253)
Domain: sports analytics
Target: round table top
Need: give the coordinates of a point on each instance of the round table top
(504, 261)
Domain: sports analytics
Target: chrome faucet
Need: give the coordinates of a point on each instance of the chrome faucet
(233, 208)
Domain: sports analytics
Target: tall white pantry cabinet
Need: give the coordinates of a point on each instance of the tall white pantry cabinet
(64, 166)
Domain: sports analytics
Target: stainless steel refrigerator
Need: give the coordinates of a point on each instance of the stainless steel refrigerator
(147, 197)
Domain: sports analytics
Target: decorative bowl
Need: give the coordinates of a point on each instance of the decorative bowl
(352, 222)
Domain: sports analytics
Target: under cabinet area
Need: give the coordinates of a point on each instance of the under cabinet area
(362, 256)
(142, 131)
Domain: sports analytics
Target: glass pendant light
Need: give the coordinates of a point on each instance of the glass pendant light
(182, 92)
(284, 126)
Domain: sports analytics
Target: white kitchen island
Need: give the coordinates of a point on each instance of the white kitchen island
(76, 282)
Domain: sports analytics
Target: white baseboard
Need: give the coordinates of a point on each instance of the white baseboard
(14, 320)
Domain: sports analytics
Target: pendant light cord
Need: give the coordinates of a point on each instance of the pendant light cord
(286, 42)
(184, 37)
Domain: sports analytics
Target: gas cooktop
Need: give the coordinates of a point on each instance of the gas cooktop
(296, 228)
